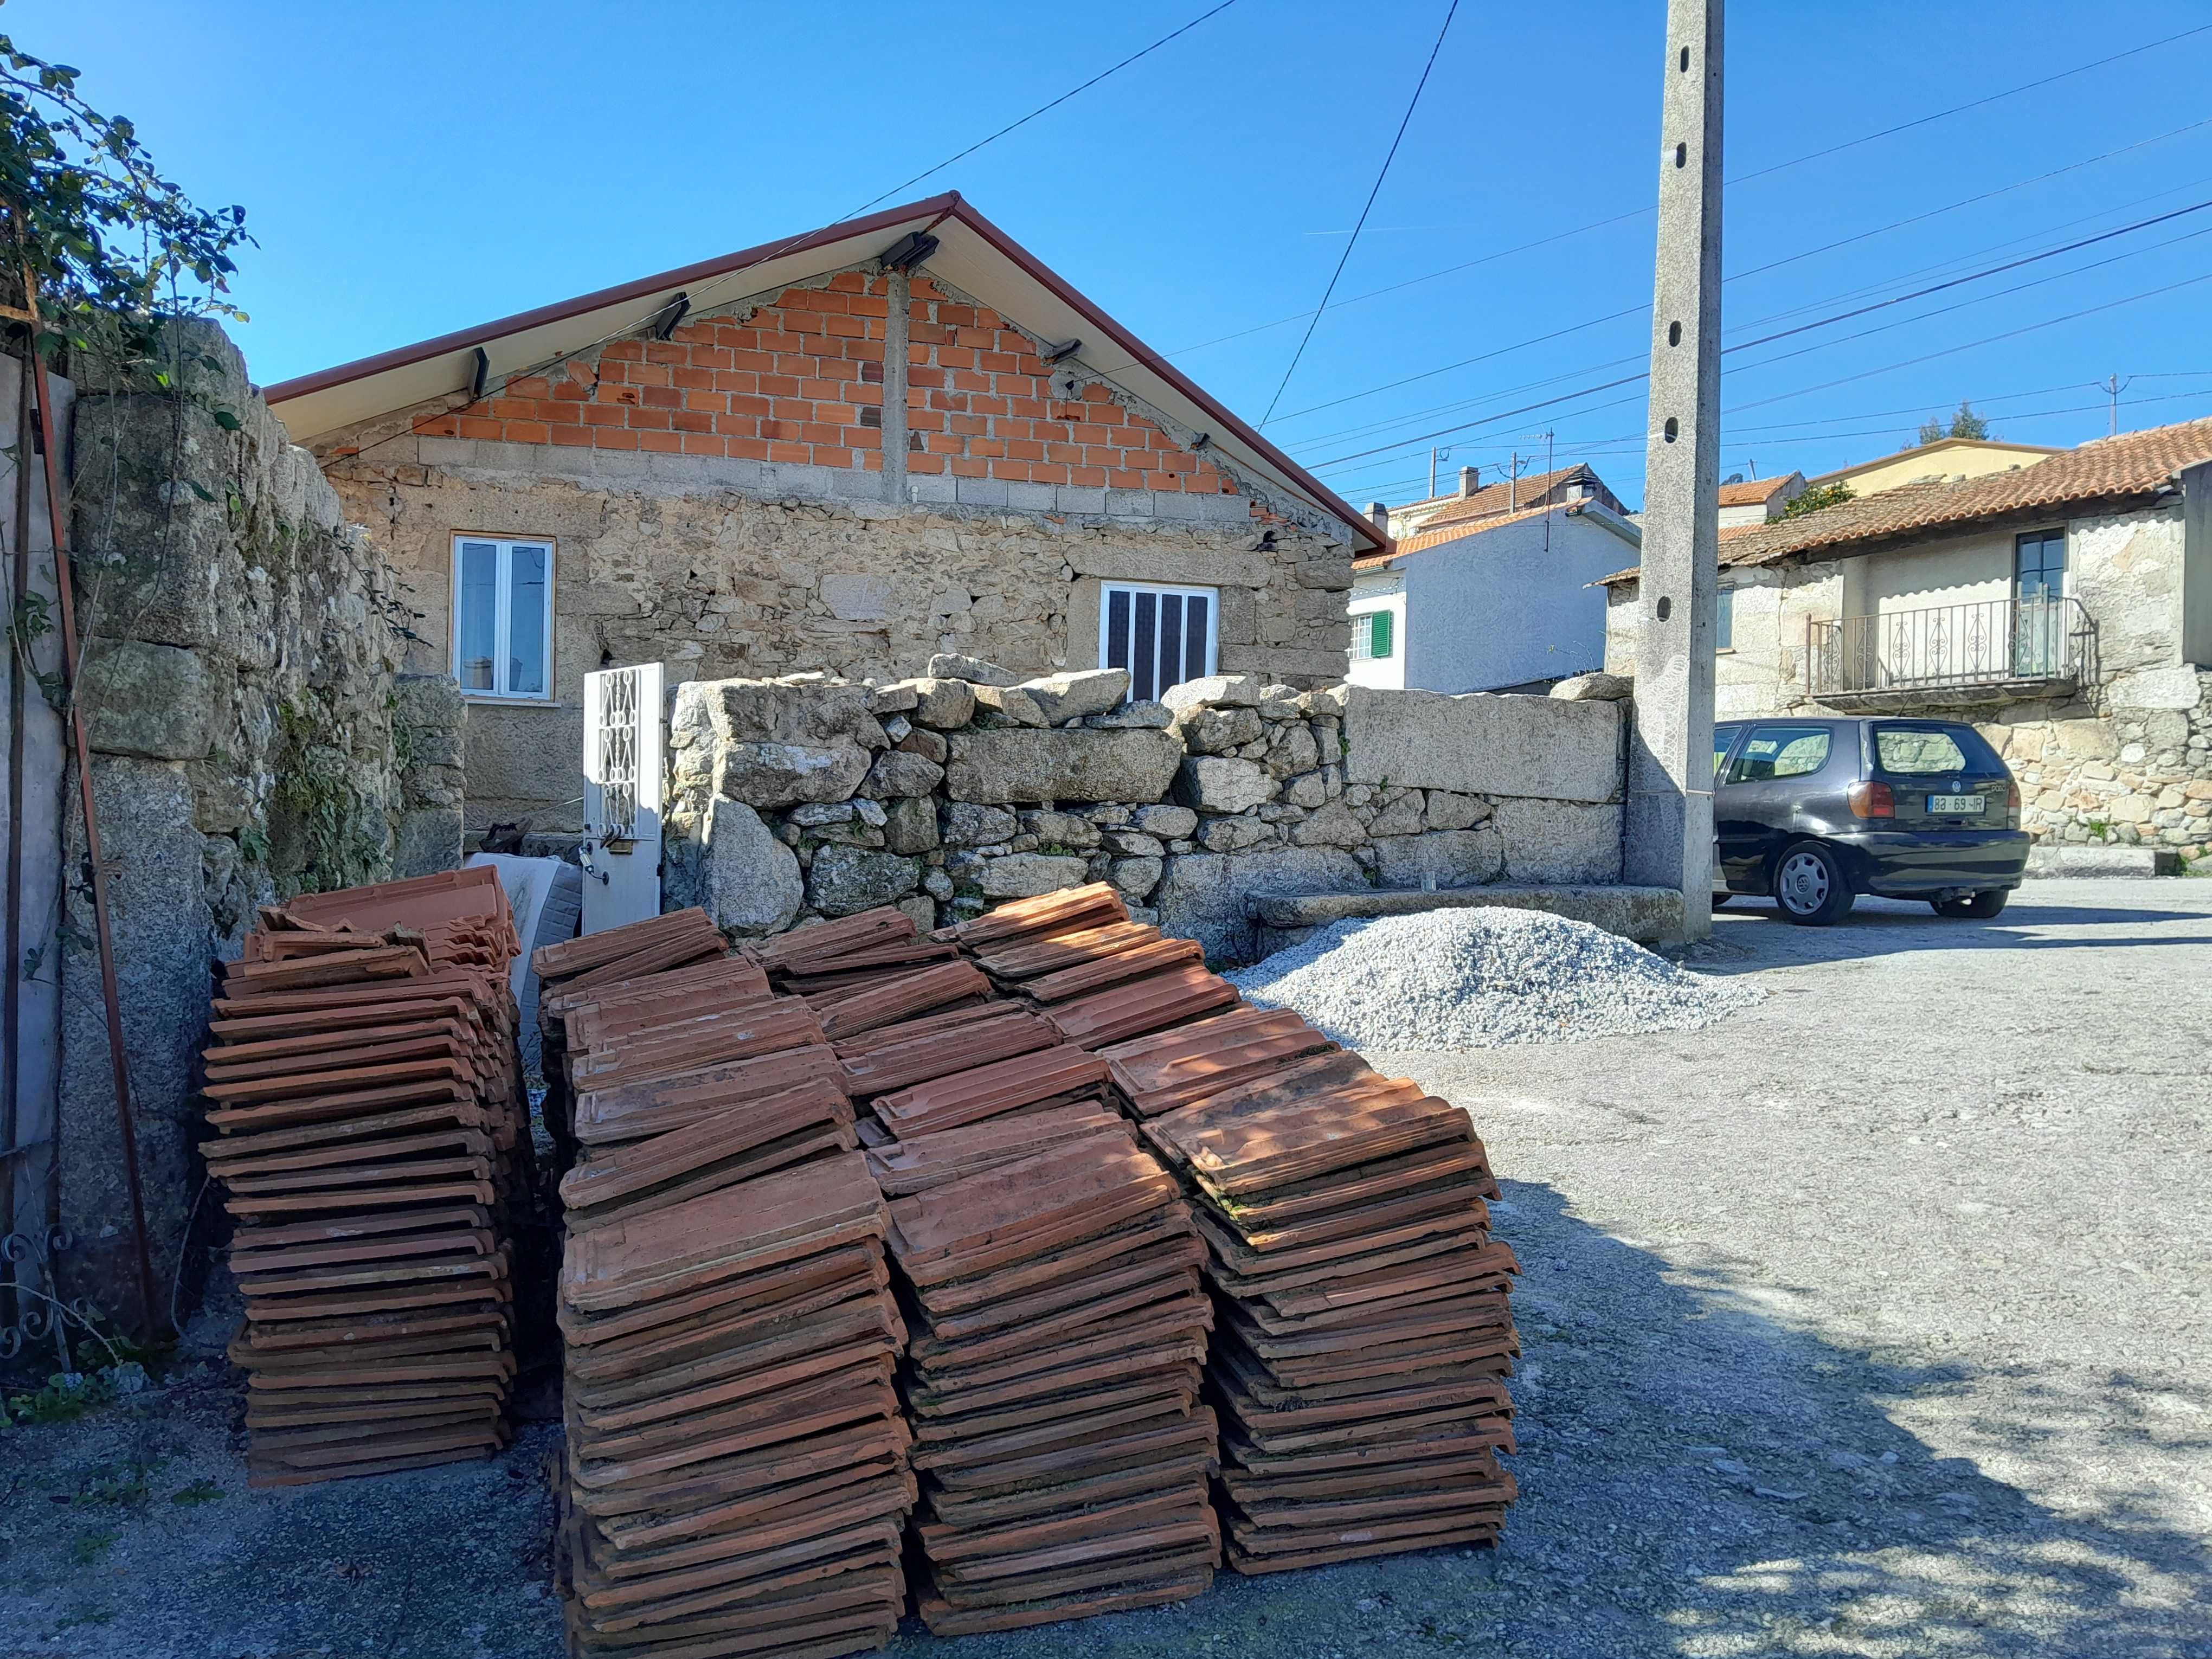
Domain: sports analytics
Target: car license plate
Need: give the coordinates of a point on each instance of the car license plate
(1953, 805)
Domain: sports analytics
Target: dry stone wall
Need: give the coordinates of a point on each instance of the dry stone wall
(251, 737)
(2128, 777)
(810, 796)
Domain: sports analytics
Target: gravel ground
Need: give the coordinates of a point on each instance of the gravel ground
(1870, 1321)
(1477, 979)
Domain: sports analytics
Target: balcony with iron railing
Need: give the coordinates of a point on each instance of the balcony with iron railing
(1988, 651)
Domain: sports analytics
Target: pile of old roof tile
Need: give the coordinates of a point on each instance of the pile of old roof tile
(1096, 977)
(1365, 1330)
(737, 1462)
(1053, 1385)
(370, 1138)
(736, 1469)
(575, 971)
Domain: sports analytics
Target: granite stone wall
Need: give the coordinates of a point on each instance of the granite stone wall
(253, 737)
(810, 796)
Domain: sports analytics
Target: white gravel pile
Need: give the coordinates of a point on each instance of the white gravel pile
(1478, 979)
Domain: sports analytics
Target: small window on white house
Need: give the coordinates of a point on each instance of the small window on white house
(1724, 620)
(503, 617)
(1371, 632)
(1162, 635)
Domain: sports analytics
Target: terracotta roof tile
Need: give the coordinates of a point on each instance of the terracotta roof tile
(1503, 496)
(1438, 535)
(1750, 492)
(2110, 473)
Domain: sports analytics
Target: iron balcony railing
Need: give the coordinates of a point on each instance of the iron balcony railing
(1988, 643)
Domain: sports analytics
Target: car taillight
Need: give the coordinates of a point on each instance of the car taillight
(1872, 800)
(2012, 804)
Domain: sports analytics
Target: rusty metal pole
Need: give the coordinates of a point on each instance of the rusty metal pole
(64, 581)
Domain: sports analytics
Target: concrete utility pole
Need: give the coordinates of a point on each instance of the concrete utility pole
(1669, 839)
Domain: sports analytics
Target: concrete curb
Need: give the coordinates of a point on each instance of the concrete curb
(2046, 862)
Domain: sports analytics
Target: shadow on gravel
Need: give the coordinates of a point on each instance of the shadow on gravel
(1699, 1478)
(1750, 935)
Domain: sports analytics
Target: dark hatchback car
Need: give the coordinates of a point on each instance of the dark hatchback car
(1815, 811)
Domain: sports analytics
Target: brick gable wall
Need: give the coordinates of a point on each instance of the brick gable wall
(800, 378)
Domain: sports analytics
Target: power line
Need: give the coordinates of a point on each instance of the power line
(1976, 275)
(1630, 444)
(1404, 122)
(1970, 201)
(1504, 415)
(1042, 109)
(1978, 103)
(1637, 213)
(2011, 264)
(1775, 265)
(789, 244)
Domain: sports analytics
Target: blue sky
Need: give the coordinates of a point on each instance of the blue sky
(410, 168)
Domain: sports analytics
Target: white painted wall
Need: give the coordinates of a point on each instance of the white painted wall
(1381, 590)
(1962, 571)
(1503, 608)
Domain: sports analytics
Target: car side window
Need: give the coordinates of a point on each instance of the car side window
(1780, 752)
(1722, 737)
(1917, 752)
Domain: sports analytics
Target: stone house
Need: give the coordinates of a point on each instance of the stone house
(2065, 607)
(845, 451)
(1505, 602)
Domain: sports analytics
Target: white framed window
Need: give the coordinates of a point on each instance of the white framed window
(1724, 620)
(1162, 635)
(1372, 634)
(503, 617)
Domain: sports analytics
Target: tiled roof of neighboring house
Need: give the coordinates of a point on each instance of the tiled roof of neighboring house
(2113, 473)
(1933, 452)
(1751, 492)
(1422, 541)
(1500, 497)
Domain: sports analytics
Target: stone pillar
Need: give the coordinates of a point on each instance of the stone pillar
(1669, 825)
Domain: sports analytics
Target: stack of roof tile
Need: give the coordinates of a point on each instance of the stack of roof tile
(1053, 1386)
(1364, 1330)
(578, 971)
(1096, 977)
(737, 1462)
(737, 1476)
(365, 1091)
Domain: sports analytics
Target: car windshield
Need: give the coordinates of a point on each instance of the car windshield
(1924, 751)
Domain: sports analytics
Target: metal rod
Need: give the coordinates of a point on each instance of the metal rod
(11, 1009)
(65, 583)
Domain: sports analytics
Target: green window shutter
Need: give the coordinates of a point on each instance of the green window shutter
(1379, 639)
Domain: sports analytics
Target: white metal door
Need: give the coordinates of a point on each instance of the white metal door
(622, 782)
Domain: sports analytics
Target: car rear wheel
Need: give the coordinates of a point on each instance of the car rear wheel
(1810, 886)
(1975, 907)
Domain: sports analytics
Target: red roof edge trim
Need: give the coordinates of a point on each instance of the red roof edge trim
(561, 310)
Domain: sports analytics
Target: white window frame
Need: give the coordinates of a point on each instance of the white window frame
(503, 598)
(1211, 595)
